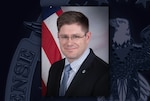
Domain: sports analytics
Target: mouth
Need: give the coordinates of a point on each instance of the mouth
(70, 49)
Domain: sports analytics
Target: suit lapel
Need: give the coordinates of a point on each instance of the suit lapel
(84, 69)
(57, 79)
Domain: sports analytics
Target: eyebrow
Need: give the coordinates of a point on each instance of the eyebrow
(77, 34)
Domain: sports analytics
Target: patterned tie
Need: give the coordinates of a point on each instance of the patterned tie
(63, 86)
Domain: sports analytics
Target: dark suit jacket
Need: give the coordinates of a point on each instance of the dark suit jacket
(94, 82)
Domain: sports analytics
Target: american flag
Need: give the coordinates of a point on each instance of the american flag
(50, 44)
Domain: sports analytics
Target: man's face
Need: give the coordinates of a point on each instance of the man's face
(73, 41)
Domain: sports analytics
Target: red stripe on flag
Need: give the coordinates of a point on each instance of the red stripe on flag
(43, 88)
(59, 12)
(49, 45)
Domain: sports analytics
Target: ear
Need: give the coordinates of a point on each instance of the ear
(88, 35)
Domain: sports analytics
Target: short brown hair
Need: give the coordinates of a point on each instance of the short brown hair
(71, 17)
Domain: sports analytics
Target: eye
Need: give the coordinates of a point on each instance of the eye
(64, 37)
(75, 37)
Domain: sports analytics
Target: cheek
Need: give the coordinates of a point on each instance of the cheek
(61, 46)
(82, 45)
(85, 42)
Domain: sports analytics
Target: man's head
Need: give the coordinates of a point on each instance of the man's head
(73, 33)
(72, 17)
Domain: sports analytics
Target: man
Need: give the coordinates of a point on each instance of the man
(88, 75)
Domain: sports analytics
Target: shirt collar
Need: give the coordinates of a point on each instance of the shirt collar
(77, 63)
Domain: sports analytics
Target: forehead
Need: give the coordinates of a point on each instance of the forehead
(71, 28)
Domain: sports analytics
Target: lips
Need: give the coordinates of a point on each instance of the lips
(70, 49)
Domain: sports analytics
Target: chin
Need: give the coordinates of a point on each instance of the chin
(72, 56)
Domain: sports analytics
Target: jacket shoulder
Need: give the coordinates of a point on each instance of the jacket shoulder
(59, 62)
(97, 61)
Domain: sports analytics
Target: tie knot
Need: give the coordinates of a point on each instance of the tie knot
(67, 68)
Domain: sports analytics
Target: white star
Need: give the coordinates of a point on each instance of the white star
(142, 1)
(83, 71)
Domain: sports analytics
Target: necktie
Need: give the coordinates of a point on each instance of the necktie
(63, 86)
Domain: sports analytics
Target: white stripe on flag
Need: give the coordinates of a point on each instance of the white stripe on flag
(45, 67)
(50, 22)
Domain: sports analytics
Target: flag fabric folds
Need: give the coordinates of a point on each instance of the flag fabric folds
(50, 50)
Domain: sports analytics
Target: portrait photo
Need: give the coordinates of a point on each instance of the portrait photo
(77, 36)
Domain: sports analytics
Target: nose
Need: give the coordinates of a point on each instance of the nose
(69, 41)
